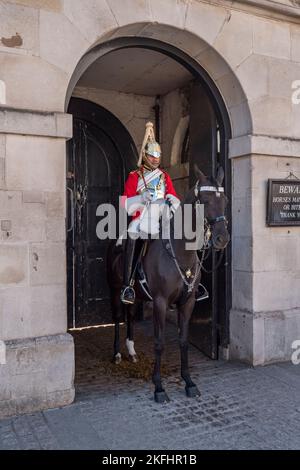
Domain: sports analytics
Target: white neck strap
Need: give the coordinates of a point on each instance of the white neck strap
(213, 189)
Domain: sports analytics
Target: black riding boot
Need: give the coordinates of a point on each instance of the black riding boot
(127, 293)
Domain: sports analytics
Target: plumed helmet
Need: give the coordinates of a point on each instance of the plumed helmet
(149, 146)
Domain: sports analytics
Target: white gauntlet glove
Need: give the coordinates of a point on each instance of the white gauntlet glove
(147, 196)
(174, 202)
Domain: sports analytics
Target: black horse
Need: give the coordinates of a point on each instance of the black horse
(173, 274)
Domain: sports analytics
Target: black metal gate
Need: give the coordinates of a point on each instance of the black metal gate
(208, 149)
(99, 157)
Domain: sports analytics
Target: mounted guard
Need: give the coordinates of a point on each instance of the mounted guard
(146, 191)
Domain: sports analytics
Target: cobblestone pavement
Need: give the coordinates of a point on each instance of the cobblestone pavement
(240, 408)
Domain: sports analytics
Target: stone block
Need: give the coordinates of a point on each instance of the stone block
(10, 202)
(45, 155)
(142, 106)
(287, 253)
(281, 330)
(60, 371)
(47, 263)
(33, 197)
(55, 230)
(32, 312)
(182, 39)
(27, 219)
(213, 63)
(48, 306)
(55, 205)
(264, 254)
(295, 43)
(23, 75)
(271, 38)
(279, 112)
(241, 176)
(231, 91)
(53, 5)
(13, 265)
(288, 165)
(295, 132)
(241, 119)
(234, 41)
(15, 318)
(2, 173)
(92, 18)
(242, 219)
(66, 46)
(169, 12)
(205, 20)
(276, 290)
(263, 145)
(254, 66)
(2, 145)
(19, 28)
(31, 390)
(37, 123)
(242, 252)
(242, 295)
(282, 74)
(130, 11)
(241, 336)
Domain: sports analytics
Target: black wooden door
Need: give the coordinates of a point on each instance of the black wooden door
(99, 157)
(207, 148)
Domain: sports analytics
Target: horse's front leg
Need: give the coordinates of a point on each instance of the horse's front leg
(117, 354)
(117, 315)
(159, 319)
(129, 340)
(185, 313)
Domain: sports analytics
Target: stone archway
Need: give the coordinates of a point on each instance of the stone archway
(186, 47)
(103, 49)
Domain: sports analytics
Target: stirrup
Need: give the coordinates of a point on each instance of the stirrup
(203, 296)
(128, 295)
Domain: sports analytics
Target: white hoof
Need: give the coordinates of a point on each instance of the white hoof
(133, 358)
(117, 358)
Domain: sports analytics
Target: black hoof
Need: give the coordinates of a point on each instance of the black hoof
(161, 397)
(192, 391)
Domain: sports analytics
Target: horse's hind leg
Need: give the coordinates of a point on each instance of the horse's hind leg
(159, 319)
(184, 318)
(129, 340)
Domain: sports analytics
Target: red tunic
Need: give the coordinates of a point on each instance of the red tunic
(131, 184)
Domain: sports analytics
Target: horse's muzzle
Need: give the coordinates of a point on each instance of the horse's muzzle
(220, 241)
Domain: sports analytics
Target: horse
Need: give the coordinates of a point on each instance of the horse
(173, 274)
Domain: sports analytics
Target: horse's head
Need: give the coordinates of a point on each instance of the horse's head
(210, 193)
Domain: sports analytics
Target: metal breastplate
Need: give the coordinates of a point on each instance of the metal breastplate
(157, 186)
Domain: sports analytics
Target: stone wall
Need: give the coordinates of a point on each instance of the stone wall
(39, 356)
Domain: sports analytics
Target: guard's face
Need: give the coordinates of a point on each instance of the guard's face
(152, 161)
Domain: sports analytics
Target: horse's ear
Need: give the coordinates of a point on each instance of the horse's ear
(220, 176)
(199, 175)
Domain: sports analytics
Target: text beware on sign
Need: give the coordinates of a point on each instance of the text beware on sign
(283, 206)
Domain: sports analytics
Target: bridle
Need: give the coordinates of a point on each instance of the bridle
(208, 225)
(213, 189)
(205, 250)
